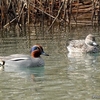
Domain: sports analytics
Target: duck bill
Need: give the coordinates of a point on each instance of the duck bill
(45, 54)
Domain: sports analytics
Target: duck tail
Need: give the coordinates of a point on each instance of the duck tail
(2, 62)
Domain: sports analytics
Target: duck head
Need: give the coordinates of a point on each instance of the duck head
(37, 50)
(90, 40)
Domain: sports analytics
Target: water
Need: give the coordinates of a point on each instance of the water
(64, 76)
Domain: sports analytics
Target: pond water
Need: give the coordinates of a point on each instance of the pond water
(64, 76)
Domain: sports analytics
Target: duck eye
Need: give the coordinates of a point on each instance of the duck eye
(35, 48)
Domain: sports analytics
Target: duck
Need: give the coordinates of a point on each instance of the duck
(87, 45)
(22, 60)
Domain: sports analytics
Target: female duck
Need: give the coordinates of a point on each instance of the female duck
(87, 45)
(21, 60)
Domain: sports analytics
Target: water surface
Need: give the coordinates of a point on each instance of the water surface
(64, 76)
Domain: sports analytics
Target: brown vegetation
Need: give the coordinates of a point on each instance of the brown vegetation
(22, 13)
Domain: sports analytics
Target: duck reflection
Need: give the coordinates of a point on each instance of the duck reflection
(87, 59)
(82, 72)
(82, 64)
(24, 72)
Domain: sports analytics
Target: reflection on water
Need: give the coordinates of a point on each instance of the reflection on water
(81, 65)
(24, 72)
(64, 77)
(82, 59)
(83, 70)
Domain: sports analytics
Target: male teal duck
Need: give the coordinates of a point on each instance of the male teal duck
(88, 45)
(21, 60)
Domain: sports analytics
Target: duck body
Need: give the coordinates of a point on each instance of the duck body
(21, 60)
(84, 46)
